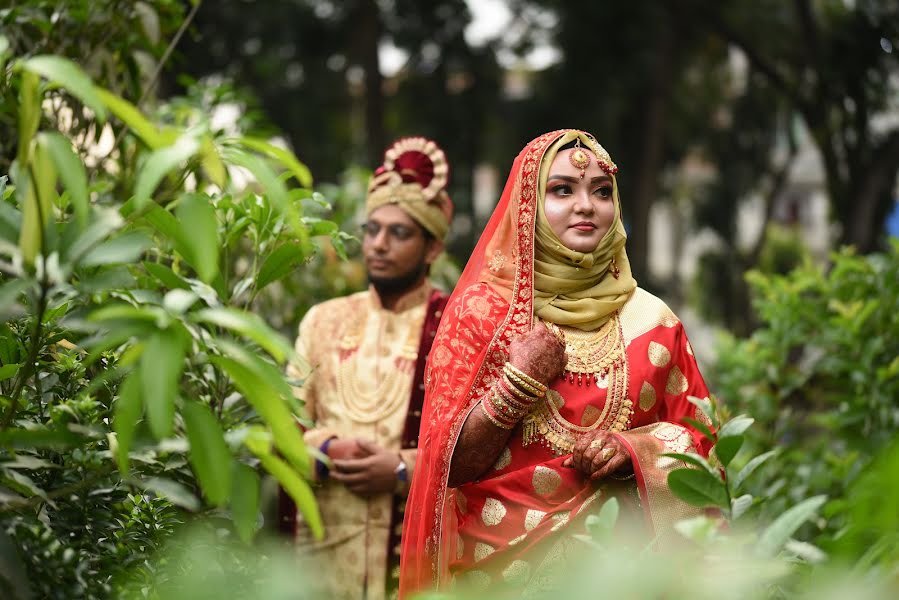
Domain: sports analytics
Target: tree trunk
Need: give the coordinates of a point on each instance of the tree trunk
(872, 196)
(651, 147)
(368, 31)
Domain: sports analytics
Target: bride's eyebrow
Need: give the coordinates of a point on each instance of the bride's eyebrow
(564, 178)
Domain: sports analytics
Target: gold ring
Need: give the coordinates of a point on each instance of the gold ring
(607, 453)
(596, 444)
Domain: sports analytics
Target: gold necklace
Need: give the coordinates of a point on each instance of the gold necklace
(599, 355)
(591, 354)
(366, 396)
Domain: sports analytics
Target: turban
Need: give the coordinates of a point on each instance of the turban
(413, 177)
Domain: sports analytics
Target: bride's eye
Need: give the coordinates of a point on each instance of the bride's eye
(561, 190)
(604, 191)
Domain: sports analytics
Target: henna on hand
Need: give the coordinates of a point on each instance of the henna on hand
(538, 353)
(587, 457)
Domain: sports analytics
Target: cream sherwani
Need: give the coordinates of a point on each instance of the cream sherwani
(361, 364)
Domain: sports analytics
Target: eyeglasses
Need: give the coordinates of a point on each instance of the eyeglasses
(396, 231)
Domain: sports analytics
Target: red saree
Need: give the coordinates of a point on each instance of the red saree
(511, 526)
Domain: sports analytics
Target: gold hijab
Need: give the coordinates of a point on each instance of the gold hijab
(576, 288)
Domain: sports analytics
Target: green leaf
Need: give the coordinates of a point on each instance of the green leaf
(103, 222)
(249, 326)
(161, 364)
(727, 447)
(199, 232)
(131, 116)
(126, 248)
(170, 489)
(40, 438)
(70, 171)
(209, 455)
(166, 276)
(212, 164)
(285, 157)
(695, 460)
(70, 76)
(698, 488)
(782, 529)
(601, 526)
(739, 506)
(33, 220)
(29, 117)
(295, 486)
(158, 164)
(273, 411)
(751, 466)
(736, 426)
(701, 427)
(8, 371)
(244, 500)
(126, 414)
(10, 218)
(278, 264)
(705, 405)
(10, 293)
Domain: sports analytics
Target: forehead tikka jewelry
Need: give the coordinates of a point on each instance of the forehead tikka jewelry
(578, 158)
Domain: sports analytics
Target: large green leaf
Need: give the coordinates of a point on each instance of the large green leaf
(782, 529)
(727, 447)
(158, 164)
(32, 232)
(103, 222)
(166, 276)
(126, 414)
(131, 116)
(273, 411)
(698, 488)
(125, 248)
(67, 74)
(693, 459)
(9, 371)
(199, 232)
(295, 486)
(736, 426)
(70, 171)
(244, 500)
(249, 326)
(209, 455)
(41, 438)
(161, 364)
(9, 296)
(278, 264)
(285, 157)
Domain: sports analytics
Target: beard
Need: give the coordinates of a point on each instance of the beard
(388, 286)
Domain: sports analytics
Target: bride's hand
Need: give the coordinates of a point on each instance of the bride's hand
(538, 353)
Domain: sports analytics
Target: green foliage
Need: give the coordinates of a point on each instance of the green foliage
(135, 388)
(821, 378)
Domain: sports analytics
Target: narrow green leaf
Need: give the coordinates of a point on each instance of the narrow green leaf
(698, 488)
(10, 293)
(285, 157)
(102, 223)
(123, 249)
(782, 529)
(32, 231)
(212, 164)
(131, 116)
(29, 117)
(158, 164)
(295, 486)
(166, 276)
(10, 218)
(167, 225)
(170, 489)
(736, 426)
(209, 455)
(249, 326)
(278, 264)
(702, 428)
(40, 438)
(705, 405)
(273, 411)
(161, 364)
(199, 231)
(751, 466)
(263, 368)
(43, 177)
(67, 74)
(739, 506)
(70, 171)
(727, 447)
(244, 500)
(126, 414)
(8, 371)
(694, 459)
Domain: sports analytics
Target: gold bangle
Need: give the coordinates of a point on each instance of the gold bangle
(493, 419)
(523, 385)
(527, 378)
(511, 401)
(620, 478)
(525, 397)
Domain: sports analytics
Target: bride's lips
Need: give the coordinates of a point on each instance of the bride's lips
(584, 226)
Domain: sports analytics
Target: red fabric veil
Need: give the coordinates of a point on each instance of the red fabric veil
(502, 258)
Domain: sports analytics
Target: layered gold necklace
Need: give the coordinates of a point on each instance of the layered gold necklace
(594, 358)
(369, 393)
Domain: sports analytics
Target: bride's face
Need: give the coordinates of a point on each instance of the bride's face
(578, 209)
